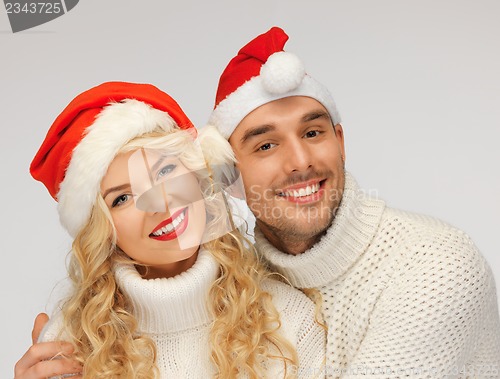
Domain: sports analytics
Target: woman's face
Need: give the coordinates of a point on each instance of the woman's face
(157, 209)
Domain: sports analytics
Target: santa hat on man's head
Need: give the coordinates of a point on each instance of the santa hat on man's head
(88, 134)
(262, 72)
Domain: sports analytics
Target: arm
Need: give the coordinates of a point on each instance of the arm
(38, 362)
(436, 317)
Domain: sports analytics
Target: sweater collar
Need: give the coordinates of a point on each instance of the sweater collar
(170, 304)
(352, 230)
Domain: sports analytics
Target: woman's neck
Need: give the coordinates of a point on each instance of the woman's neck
(168, 270)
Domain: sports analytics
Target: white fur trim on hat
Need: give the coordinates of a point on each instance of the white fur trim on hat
(254, 93)
(116, 125)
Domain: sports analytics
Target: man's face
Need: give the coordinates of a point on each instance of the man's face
(291, 159)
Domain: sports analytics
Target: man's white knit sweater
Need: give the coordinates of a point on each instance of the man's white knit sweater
(173, 312)
(404, 295)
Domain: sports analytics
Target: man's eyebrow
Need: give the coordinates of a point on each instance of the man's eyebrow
(314, 115)
(253, 132)
(114, 189)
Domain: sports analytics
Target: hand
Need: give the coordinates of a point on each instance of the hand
(46, 359)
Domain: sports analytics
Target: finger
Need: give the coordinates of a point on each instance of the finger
(43, 351)
(51, 368)
(40, 321)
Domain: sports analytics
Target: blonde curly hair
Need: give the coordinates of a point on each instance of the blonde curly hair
(99, 320)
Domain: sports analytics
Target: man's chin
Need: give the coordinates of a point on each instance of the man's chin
(296, 229)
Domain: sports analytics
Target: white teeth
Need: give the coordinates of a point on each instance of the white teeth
(168, 228)
(310, 189)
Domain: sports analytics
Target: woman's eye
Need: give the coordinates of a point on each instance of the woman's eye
(165, 170)
(120, 200)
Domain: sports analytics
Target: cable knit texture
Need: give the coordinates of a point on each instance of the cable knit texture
(174, 314)
(404, 295)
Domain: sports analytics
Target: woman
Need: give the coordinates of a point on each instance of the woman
(163, 286)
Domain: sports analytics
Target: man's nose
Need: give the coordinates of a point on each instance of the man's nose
(298, 156)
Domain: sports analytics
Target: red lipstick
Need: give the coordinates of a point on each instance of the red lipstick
(175, 232)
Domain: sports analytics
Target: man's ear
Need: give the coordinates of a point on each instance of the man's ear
(339, 134)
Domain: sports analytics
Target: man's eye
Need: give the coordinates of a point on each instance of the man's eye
(312, 133)
(165, 170)
(120, 200)
(266, 146)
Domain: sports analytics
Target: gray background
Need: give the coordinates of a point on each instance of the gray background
(417, 84)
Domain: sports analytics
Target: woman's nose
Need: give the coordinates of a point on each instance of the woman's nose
(154, 200)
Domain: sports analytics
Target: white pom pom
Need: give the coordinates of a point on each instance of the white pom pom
(283, 72)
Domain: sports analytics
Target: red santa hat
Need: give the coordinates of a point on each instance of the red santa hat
(88, 134)
(262, 72)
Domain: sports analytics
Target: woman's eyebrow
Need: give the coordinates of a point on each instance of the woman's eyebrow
(114, 189)
(158, 163)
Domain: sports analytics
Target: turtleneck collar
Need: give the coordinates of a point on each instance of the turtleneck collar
(354, 226)
(170, 304)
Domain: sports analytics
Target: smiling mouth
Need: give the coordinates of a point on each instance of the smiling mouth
(171, 227)
(298, 193)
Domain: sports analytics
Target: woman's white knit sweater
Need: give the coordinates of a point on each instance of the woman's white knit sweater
(173, 312)
(404, 295)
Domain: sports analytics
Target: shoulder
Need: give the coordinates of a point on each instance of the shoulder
(299, 324)
(53, 330)
(433, 256)
(426, 239)
(297, 311)
(287, 298)
(416, 223)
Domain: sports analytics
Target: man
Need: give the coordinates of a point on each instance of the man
(402, 294)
